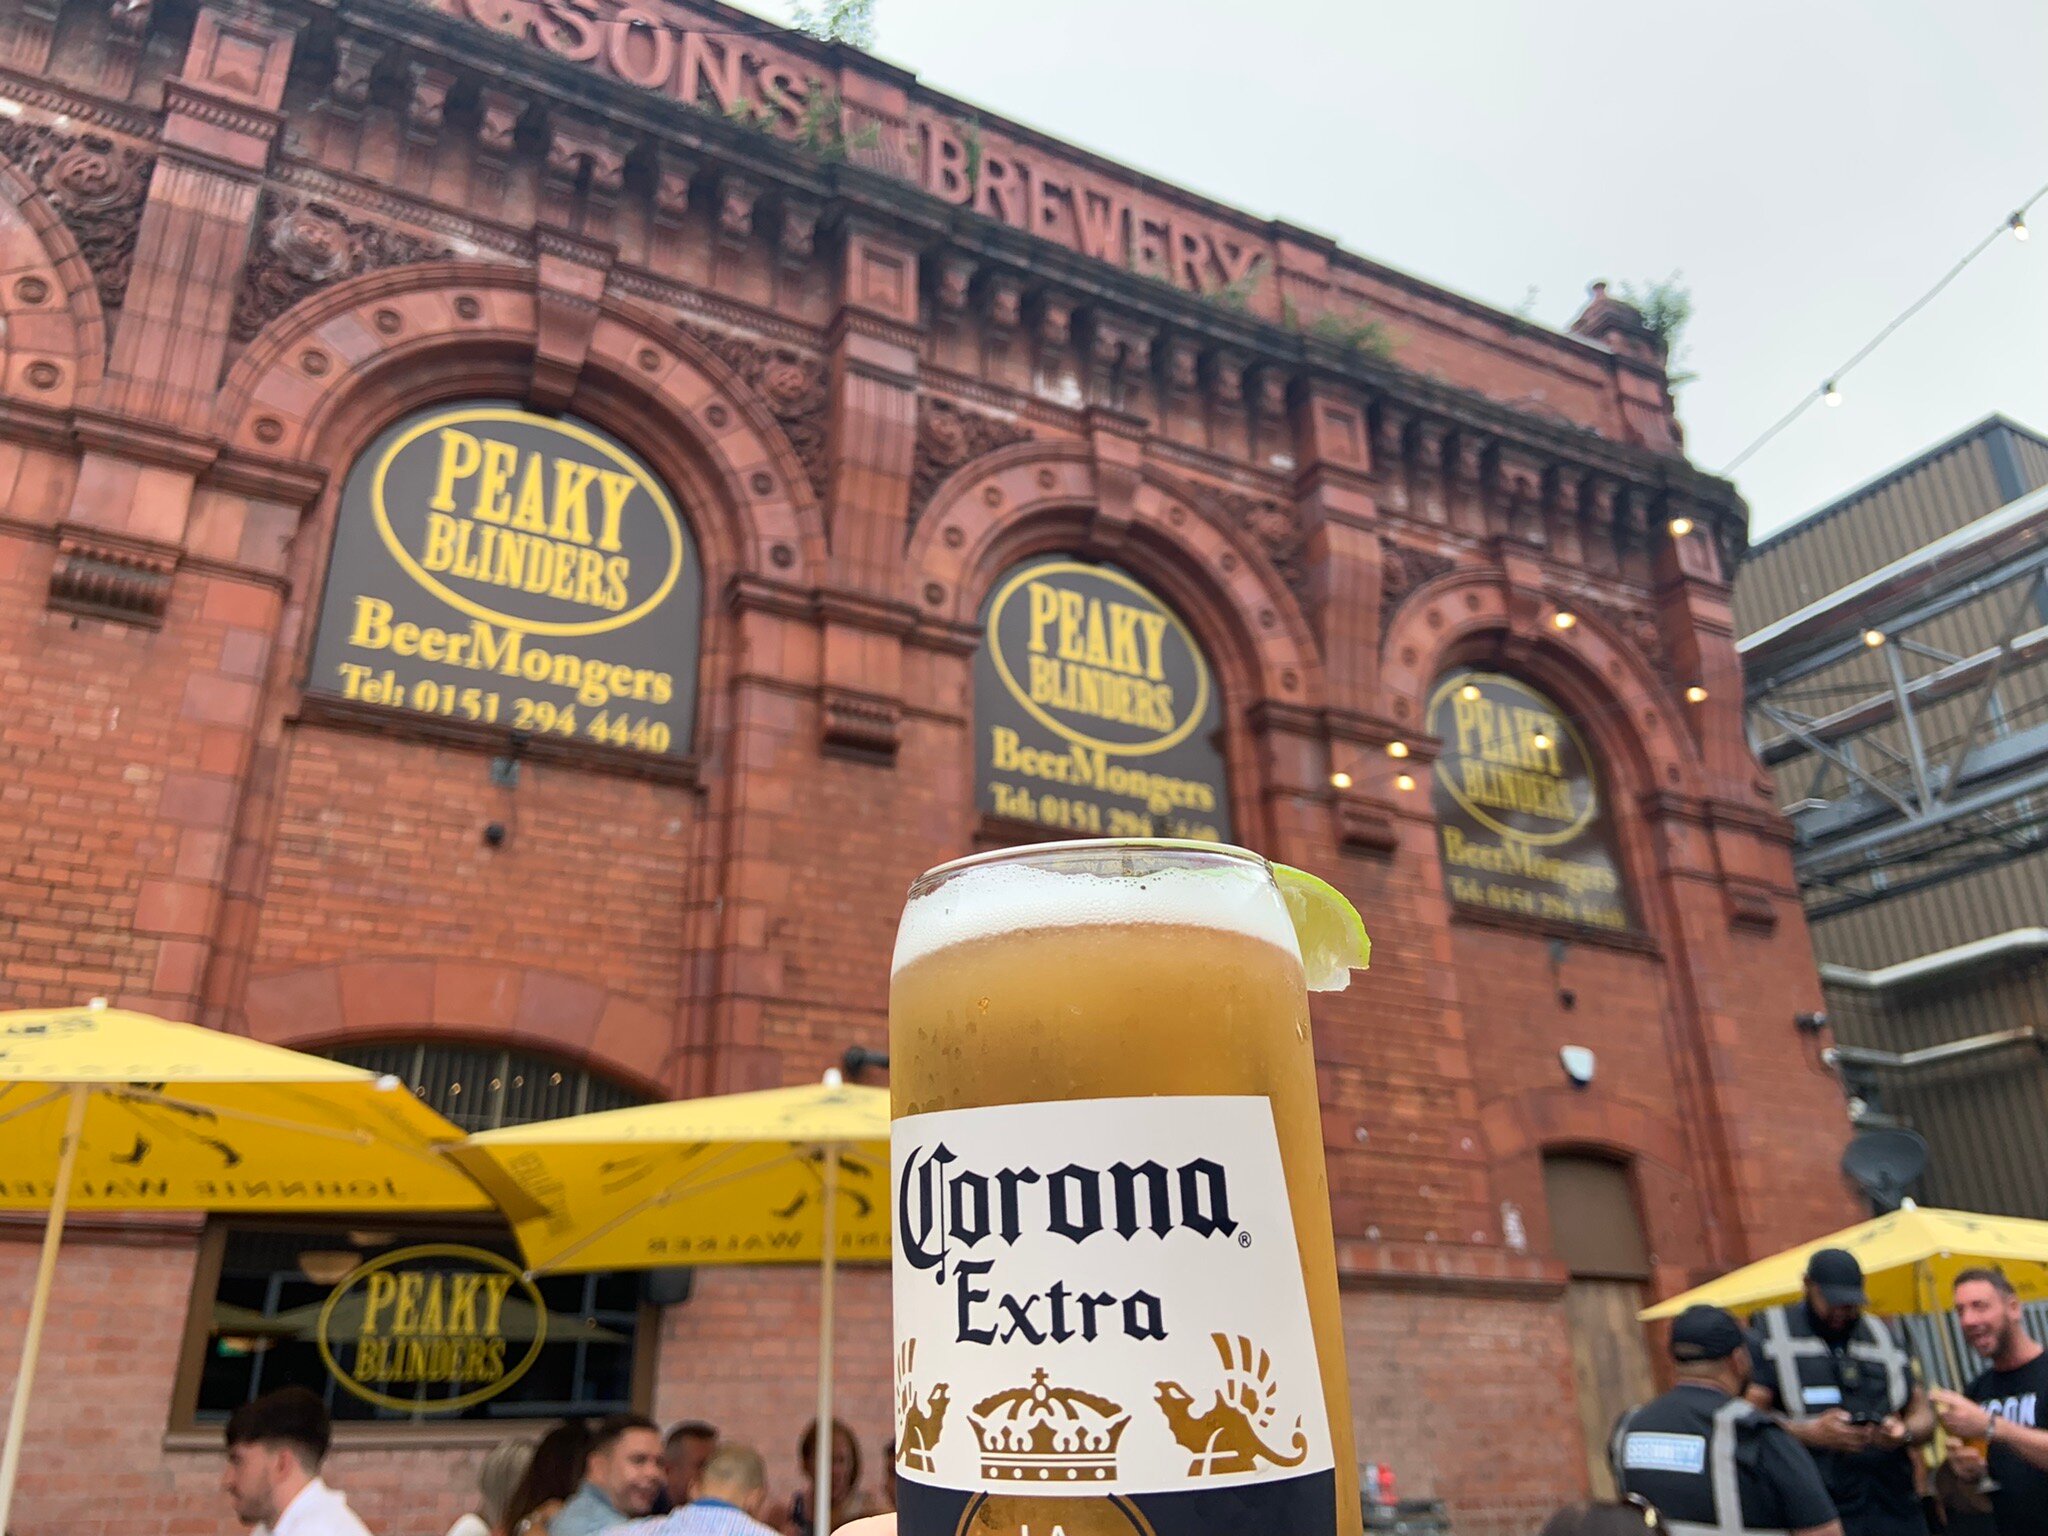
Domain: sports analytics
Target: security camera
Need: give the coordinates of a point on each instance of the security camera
(1579, 1064)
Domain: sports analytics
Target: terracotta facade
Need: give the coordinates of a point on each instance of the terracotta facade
(880, 348)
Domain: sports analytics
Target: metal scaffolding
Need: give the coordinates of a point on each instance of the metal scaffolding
(1902, 762)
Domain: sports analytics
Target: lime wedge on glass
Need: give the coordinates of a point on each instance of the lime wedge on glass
(1326, 926)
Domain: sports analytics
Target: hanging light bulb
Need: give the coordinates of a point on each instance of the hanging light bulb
(1680, 527)
(2017, 224)
(1404, 782)
(1540, 742)
(1695, 694)
(1831, 392)
(1564, 619)
(1340, 780)
(1469, 693)
(1397, 749)
(1873, 638)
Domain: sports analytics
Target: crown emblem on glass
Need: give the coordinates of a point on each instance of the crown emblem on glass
(1047, 1434)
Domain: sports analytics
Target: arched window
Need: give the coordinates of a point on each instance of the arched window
(1096, 714)
(1521, 819)
(481, 1087)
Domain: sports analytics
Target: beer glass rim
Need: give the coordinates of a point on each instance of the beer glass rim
(936, 876)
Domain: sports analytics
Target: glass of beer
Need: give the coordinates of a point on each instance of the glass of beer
(1115, 1288)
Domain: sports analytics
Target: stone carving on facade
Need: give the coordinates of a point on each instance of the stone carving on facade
(791, 383)
(96, 186)
(1276, 531)
(1637, 629)
(112, 579)
(304, 244)
(948, 436)
(1403, 568)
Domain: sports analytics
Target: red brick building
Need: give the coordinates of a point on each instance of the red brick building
(573, 832)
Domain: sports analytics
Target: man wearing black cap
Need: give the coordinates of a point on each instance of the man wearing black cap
(1706, 1459)
(1842, 1380)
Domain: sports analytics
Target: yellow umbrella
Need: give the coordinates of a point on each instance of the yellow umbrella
(785, 1176)
(1910, 1259)
(102, 1109)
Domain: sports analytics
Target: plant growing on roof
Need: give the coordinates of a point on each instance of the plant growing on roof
(836, 21)
(1666, 309)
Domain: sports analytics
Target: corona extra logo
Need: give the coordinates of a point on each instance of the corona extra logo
(1047, 1434)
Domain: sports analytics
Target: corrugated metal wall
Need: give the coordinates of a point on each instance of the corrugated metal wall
(1952, 485)
(1896, 515)
(1985, 1118)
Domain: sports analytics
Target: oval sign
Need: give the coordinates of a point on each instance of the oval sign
(1097, 659)
(525, 521)
(440, 1315)
(1511, 759)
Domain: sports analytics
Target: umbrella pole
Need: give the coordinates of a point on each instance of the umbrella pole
(826, 1446)
(46, 1272)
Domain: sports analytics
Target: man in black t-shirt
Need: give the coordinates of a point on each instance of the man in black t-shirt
(2007, 1405)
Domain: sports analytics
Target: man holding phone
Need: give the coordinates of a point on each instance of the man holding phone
(1842, 1382)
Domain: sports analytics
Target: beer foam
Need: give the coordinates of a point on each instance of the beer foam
(982, 902)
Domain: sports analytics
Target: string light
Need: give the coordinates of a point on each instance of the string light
(1469, 693)
(1397, 749)
(1404, 782)
(2014, 223)
(1564, 619)
(1873, 638)
(1680, 527)
(1540, 742)
(1340, 780)
(1695, 694)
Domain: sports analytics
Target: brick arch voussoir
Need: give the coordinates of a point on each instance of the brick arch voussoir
(1007, 504)
(53, 333)
(1540, 1121)
(448, 316)
(1590, 665)
(317, 1008)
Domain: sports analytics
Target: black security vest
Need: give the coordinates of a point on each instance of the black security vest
(1810, 1379)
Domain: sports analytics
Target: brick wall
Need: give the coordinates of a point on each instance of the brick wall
(866, 429)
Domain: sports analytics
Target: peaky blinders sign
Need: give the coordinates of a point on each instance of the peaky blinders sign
(1519, 815)
(1095, 709)
(498, 568)
(432, 1329)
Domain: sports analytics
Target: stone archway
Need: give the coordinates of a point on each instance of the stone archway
(52, 330)
(1033, 496)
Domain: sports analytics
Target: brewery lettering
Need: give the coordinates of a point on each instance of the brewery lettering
(776, 91)
(945, 1212)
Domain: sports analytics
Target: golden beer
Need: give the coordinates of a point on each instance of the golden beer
(1078, 1274)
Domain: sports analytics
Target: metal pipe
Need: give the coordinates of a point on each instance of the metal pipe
(2013, 943)
(1929, 1055)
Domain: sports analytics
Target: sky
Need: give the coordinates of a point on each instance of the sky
(1809, 167)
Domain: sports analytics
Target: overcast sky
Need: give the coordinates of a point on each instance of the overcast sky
(1810, 166)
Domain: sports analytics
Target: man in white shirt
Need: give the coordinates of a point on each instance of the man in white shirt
(275, 1446)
